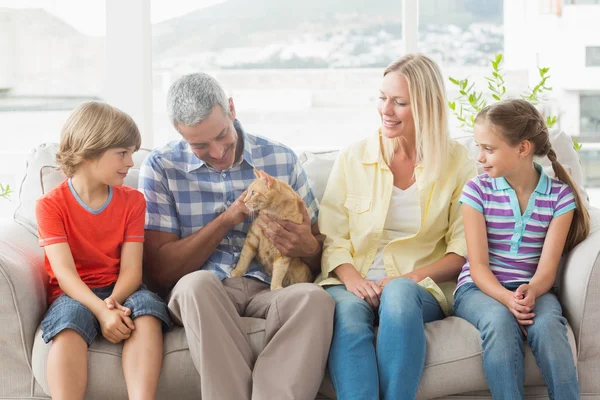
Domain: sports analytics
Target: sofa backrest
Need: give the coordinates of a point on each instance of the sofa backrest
(42, 174)
(318, 164)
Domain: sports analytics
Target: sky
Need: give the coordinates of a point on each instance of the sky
(88, 16)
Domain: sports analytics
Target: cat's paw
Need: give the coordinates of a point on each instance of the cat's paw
(276, 287)
(237, 272)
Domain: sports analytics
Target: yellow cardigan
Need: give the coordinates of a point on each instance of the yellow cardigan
(355, 205)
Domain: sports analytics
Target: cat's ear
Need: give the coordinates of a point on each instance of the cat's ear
(267, 178)
(256, 173)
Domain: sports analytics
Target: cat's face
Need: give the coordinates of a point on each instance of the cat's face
(260, 192)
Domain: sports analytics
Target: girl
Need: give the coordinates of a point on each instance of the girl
(518, 221)
(92, 231)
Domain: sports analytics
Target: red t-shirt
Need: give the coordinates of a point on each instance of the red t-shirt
(95, 237)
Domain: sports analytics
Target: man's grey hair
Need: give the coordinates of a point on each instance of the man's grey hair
(192, 98)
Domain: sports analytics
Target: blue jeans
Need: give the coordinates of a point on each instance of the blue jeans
(503, 348)
(392, 369)
(67, 313)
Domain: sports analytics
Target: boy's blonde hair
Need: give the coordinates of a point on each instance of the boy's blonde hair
(428, 105)
(93, 128)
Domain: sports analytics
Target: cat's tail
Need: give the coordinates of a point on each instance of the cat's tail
(298, 272)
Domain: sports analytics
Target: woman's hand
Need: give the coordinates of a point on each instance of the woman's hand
(369, 291)
(414, 276)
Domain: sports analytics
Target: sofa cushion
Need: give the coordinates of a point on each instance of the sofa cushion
(178, 378)
(42, 174)
(453, 363)
(318, 164)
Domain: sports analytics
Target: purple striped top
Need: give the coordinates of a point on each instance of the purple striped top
(515, 240)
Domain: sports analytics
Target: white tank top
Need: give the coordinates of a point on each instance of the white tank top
(403, 219)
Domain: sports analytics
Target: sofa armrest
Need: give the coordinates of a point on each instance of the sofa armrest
(579, 293)
(22, 306)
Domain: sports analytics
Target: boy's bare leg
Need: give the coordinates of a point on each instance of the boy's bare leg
(142, 358)
(67, 366)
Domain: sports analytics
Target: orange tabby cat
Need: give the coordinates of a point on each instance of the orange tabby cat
(274, 197)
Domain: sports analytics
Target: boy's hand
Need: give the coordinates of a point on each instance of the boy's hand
(112, 304)
(115, 326)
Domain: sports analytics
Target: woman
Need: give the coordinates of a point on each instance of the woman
(395, 240)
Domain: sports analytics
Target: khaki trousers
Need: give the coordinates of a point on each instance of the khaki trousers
(299, 326)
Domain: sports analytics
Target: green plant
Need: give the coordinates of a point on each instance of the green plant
(5, 191)
(470, 101)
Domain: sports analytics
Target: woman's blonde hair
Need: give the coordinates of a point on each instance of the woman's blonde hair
(91, 129)
(428, 104)
(519, 120)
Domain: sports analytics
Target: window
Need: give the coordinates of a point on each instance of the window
(463, 37)
(589, 105)
(582, 2)
(304, 74)
(592, 56)
(52, 59)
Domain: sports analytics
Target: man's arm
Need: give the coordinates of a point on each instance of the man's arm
(168, 257)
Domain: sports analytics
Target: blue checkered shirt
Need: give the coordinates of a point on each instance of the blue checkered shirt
(183, 193)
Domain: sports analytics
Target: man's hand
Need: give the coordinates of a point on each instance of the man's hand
(369, 291)
(115, 326)
(292, 240)
(237, 212)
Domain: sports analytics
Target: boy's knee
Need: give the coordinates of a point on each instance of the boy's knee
(70, 337)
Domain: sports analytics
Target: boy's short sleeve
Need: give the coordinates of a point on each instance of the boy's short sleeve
(51, 229)
(472, 195)
(134, 230)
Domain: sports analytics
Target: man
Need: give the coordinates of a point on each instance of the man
(196, 224)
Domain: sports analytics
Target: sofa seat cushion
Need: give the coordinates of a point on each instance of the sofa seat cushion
(178, 379)
(454, 362)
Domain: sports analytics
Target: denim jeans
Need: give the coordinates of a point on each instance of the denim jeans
(67, 313)
(503, 347)
(391, 369)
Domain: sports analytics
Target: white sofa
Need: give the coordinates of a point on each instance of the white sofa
(453, 367)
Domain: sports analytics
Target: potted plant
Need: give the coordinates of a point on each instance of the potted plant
(5, 191)
(466, 106)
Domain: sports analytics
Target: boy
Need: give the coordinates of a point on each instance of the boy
(92, 231)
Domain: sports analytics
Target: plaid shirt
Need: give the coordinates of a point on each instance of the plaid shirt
(183, 193)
